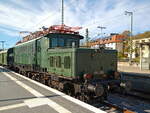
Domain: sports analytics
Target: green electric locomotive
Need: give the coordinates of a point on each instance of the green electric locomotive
(56, 59)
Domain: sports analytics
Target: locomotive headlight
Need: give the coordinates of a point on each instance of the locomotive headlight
(98, 89)
(126, 85)
(108, 87)
(122, 84)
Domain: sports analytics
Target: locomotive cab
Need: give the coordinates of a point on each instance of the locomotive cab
(58, 40)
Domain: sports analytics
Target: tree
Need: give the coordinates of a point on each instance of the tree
(126, 47)
(126, 33)
(142, 35)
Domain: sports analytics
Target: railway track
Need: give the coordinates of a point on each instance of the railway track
(113, 108)
(117, 108)
(128, 104)
(138, 94)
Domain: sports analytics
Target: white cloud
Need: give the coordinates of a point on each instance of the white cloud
(24, 15)
(9, 32)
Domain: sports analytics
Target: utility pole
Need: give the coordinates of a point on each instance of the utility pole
(2, 44)
(87, 36)
(101, 27)
(62, 13)
(131, 29)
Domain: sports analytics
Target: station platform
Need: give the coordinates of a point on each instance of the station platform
(19, 94)
(125, 67)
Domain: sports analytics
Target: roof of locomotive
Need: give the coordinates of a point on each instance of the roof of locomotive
(79, 36)
(27, 42)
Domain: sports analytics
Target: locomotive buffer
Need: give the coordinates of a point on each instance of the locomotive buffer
(19, 94)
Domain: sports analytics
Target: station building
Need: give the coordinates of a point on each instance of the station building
(141, 49)
(111, 42)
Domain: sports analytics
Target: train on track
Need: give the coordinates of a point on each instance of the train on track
(138, 84)
(56, 59)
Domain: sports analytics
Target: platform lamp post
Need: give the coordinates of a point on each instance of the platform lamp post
(131, 28)
(101, 27)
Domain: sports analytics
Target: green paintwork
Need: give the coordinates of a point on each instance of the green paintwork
(70, 72)
(3, 57)
(42, 46)
(84, 61)
(32, 53)
(25, 53)
(39, 52)
(95, 60)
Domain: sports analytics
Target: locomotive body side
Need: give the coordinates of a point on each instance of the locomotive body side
(10, 58)
(95, 61)
(75, 62)
(31, 56)
(62, 62)
(24, 56)
(3, 58)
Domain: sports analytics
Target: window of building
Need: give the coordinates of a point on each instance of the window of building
(67, 62)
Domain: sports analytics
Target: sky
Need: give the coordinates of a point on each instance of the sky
(30, 15)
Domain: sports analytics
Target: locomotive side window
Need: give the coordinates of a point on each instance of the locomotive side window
(67, 62)
(54, 42)
(51, 61)
(71, 43)
(63, 41)
(58, 61)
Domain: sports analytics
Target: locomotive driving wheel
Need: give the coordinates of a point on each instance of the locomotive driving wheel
(82, 97)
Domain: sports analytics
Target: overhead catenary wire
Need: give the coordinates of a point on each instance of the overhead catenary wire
(136, 10)
(95, 22)
(116, 16)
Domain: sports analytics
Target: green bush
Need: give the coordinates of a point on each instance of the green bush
(137, 59)
(121, 55)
